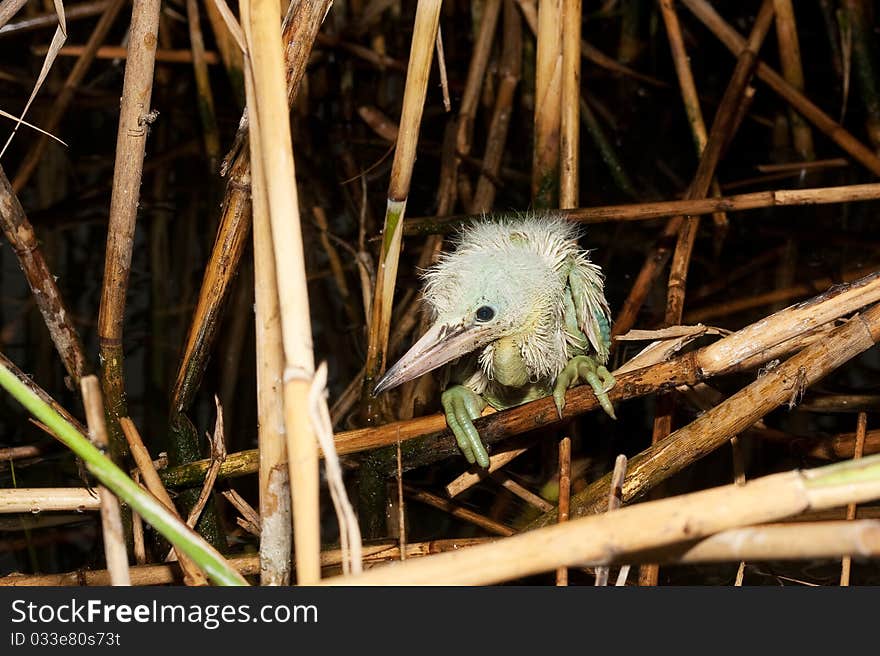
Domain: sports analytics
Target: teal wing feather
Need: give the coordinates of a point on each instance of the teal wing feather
(593, 316)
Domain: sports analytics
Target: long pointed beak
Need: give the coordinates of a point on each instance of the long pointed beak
(441, 344)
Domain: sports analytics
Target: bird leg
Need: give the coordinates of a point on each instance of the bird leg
(462, 406)
(587, 369)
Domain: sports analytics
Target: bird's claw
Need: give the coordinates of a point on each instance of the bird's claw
(462, 406)
(584, 367)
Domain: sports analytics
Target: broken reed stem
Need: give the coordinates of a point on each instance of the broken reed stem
(274, 479)
(732, 40)
(418, 71)
(62, 101)
(661, 209)
(401, 508)
(163, 56)
(265, 47)
(570, 105)
(134, 122)
(111, 518)
(793, 72)
(614, 494)
(548, 105)
(859, 452)
(564, 495)
(20, 234)
(600, 539)
(716, 426)
(205, 97)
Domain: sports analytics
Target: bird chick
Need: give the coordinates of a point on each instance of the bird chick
(521, 310)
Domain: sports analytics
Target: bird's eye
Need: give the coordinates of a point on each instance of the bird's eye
(485, 313)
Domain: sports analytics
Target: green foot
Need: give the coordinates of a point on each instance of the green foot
(462, 406)
(584, 367)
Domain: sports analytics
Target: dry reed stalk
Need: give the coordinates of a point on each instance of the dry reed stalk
(266, 52)
(753, 345)
(660, 209)
(614, 494)
(20, 234)
(858, 452)
(523, 493)
(548, 105)
(496, 461)
(564, 495)
(741, 410)
(496, 137)
(62, 101)
(72, 12)
(163, 55)
(650, 525)
(786, 542)
(275, 518)
(218, 455)
(458, 511)
(424, 33)
(839, 447)
(793, 72)
(732, 40)
(111, 519)
(569, 178)
(134, 121)
(205, 97)
(192, 575)
(47, 499)
(9, 9)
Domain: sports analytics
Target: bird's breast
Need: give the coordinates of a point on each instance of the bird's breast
(508, 367)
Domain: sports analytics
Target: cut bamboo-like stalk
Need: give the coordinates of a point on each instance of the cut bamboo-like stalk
(111, 517)
(654, 524)
(424, 33)
(267, 60)
(614, 493)
(131, 139)
(275, 521)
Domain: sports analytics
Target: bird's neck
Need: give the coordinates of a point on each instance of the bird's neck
(508, 367)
